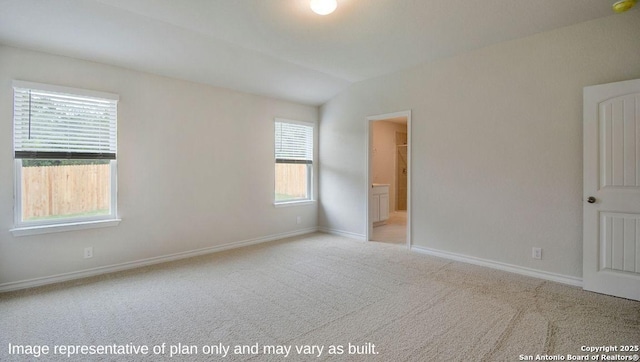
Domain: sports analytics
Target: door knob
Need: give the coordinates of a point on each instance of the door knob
(591, 199)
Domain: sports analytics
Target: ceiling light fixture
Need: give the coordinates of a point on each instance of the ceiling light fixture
(623, 5)
(323, 7)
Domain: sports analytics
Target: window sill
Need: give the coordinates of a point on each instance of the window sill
(46, 229)
(294, 203)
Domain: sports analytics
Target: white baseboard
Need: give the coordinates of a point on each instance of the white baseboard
(346, 234)
(564, 279)
(36, 282)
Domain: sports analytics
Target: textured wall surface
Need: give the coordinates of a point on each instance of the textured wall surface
(496, 143)
(195, 168)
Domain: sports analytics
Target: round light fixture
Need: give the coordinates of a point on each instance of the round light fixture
(623, 5)
(323, 7)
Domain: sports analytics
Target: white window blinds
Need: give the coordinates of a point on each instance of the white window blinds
(294, 142)
(59, 123)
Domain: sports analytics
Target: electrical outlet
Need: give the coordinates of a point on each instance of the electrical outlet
(299, 220)
(88, 252)
(536, 253)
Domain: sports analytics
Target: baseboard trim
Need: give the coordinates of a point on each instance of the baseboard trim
(346, 234)
(36, 282)
(564, 279)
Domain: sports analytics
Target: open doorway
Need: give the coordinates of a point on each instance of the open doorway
(388, 182)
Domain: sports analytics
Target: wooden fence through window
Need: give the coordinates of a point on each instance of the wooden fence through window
(291, 180)
(51, 191)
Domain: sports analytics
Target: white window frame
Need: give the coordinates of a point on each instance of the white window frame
(310, 168)
(21, 227)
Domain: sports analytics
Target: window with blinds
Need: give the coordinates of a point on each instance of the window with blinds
(54, 125)
(65, 147)
(293, 161)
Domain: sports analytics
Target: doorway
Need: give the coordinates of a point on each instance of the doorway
(388, 181)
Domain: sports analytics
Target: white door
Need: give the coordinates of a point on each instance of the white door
(611, 213)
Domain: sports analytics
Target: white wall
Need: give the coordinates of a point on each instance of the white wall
(195, 168)
(383, 160)
(496, 143)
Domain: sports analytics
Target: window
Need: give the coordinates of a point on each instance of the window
(65, 156)
(293, 160)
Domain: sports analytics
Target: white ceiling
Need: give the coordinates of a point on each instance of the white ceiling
(278, 48)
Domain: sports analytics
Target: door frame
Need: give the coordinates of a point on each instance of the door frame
(369, 170)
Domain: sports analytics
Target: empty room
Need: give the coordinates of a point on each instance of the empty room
(384, 180)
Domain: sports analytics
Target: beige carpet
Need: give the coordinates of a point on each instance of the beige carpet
(319, 290)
